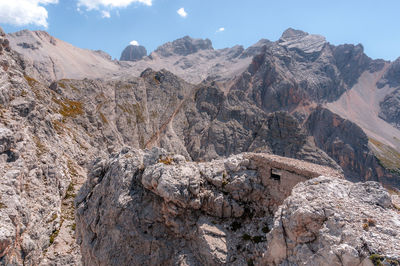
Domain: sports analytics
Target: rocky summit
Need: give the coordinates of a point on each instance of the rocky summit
(282, 153)
(133, 53)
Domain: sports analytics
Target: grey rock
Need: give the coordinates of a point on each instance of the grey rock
(133, 53)
(391, 76)
(300, 40)
(184, 46)
(150, 202)
(347, 144)
(390, 108)
(334, 222)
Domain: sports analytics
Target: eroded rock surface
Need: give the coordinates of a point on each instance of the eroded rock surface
(150, 207)
(334, 222)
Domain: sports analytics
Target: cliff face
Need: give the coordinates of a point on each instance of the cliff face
(301, 68)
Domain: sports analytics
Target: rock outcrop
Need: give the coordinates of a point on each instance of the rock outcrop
(155, 208)
(334, 222)
(390, 108)
(133, 53)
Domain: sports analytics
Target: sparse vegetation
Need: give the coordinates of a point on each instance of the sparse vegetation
(69, 108)
(371, 222)
(265, 229)
(40, 148)
(167, 160)
(31, 81)
(103, 118)
(139, 113)
(235, 225)
(53, 217)
(376, 259)
(70, 191)
(58, 127)
(54, 235)
(257, 239)
(246, 237)
(387, 156)
(365, 226)
(73, 227)
(71, 169)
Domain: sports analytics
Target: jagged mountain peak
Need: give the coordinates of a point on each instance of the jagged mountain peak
(184, 46)
(133, 53)
(291, 33)
(300, 40)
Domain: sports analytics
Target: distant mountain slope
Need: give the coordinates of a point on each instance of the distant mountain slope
(49, 58)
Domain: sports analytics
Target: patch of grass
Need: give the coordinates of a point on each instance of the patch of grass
(58, 126)
(265, 229)
(236, 226)
(371, 222)
(61, 84)
(31, 81)
(69, 108)
(387, 156)
(54, 235)
(246, 237)
(167, 160)
(73, 227)
(258, 239)
(365, 226)
(103, 118)
(71, 169)
(377, 259)
(53, 217)
(40, 148)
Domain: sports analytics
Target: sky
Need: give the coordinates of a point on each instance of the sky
(110, 25)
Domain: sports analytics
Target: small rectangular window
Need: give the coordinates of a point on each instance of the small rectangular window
(276, 174)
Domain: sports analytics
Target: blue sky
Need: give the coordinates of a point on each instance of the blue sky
(110, 25)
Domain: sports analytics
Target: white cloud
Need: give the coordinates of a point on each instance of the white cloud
(135, 43)
(105, 14)
(104, 6)
(100, 4)
(181, 11)
(24, 12)
(221, 29)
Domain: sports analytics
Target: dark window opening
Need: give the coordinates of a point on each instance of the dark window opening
(275, 174)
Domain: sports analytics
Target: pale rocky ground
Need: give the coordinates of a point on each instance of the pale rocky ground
(334, 222)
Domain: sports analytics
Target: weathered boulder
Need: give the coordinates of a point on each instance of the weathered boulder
(335, 222)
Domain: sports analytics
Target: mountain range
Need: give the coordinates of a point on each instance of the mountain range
(62, 108)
